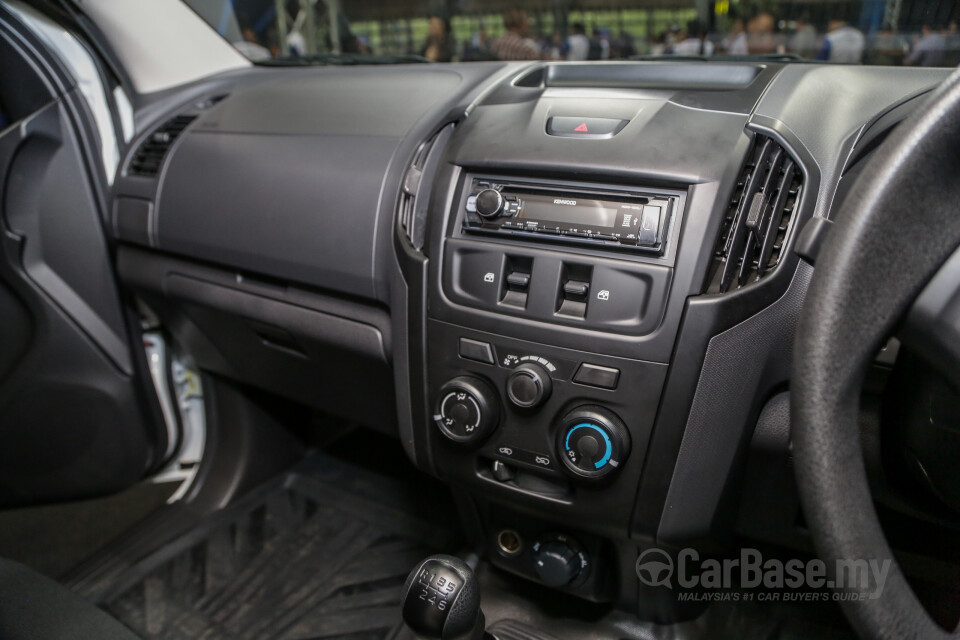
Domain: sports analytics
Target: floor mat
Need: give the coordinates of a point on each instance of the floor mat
(321, 552)
(53, 539)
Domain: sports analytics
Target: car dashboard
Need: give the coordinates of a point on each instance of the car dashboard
(569, 289)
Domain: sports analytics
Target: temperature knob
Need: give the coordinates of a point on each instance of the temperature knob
(593, 442)
(467, 410)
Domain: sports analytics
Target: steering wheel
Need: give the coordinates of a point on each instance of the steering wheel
(890, 263)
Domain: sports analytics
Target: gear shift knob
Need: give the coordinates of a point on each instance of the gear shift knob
(441, 600)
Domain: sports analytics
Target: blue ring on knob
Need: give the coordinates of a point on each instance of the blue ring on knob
(609, 453)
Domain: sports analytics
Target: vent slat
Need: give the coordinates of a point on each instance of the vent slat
(737, 238)
(411, 216)
(758, 216)
(148, 159)
(776, 227)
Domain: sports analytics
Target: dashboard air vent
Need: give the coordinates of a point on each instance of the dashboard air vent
(412, 207)
(148, 159)
(758, 217)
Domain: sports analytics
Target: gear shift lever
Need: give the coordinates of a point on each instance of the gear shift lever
(441, 600)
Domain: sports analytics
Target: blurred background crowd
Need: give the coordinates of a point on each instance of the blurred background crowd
(881, 32)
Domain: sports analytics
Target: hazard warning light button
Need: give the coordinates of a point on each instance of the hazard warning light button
(574, 127)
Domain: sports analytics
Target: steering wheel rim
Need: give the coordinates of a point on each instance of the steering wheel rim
(897, 227)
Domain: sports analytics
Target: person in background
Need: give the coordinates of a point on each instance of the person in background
(439, 46)
(842, 43)
(578, 45)
(250, 46)
(476, 48)
(760, 36)
(929, 49)
(657, 45)
(886, 47)
(694, 42)
(735, 43)
(599, 45)
(804, 42)
(556, 49)
(625, 46)
(515, 44)
(951, 57)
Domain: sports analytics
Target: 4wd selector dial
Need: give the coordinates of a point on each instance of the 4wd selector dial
(529, 385)
(560, 561)
(467, 410)
(593, 442)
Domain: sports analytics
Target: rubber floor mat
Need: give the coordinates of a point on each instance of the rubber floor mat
(321, 552)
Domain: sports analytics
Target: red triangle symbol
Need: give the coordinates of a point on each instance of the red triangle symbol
(582, 128)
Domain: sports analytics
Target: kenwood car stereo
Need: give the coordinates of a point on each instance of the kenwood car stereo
(629, 219)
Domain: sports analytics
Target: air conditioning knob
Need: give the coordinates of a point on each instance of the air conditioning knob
(529, 385)
(489, 203)
(467, 410)
(593, 442)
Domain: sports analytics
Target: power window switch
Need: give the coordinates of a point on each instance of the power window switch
(576, 289)
(518, 280)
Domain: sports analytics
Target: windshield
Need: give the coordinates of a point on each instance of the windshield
(878, 32)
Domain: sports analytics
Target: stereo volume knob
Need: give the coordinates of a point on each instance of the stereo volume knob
(489, 203)
(467, 410)
(529, 386)
(593, 442)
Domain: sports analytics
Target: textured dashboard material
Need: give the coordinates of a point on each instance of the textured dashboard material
(740, 365)
(286, 177)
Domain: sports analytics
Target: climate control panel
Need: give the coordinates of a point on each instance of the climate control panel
(548, 426)
(591, 442)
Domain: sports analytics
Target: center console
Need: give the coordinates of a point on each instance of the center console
(515, 411)
(556, 271)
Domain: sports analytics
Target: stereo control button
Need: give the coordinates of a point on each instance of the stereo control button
(489, 203)
(649, 227)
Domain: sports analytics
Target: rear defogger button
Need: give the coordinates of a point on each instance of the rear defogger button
(596, 376)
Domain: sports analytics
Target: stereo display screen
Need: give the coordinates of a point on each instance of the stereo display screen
(583, 214)
(588, 213)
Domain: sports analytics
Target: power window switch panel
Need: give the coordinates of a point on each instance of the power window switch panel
(596, 376)
(476, 350)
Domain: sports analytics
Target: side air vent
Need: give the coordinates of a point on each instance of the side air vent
(758, 217)
(148, 159)
(412, 207)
